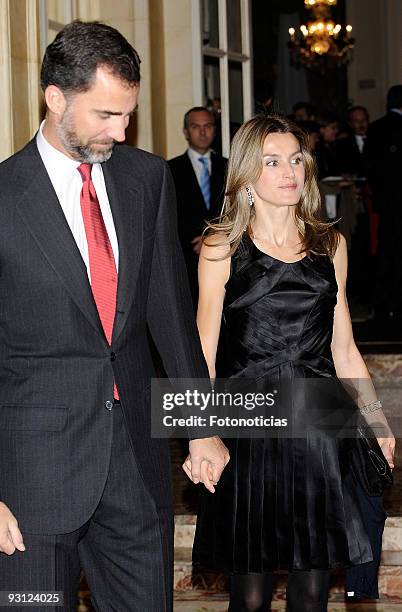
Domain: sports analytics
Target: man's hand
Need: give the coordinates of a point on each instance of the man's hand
(10, 535)
(197, 243)
(206, 461)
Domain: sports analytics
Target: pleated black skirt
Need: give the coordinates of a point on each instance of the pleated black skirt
(283, 504)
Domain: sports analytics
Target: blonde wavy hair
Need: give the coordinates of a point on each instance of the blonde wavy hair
(244, 168)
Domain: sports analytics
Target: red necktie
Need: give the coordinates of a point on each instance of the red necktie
(101, 259)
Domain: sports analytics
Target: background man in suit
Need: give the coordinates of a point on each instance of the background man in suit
(351, 150)
(89, 260)
(325, 151)
(199, 176)
(384, 154)
(351, 160)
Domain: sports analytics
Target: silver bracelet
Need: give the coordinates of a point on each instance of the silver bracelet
(377, 405)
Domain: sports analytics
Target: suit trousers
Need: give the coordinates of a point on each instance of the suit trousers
(125, 549)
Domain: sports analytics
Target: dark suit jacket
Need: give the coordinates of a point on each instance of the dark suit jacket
(348, 156)
(384, 155)
(191, 209)
(326, 158)
(56, 367)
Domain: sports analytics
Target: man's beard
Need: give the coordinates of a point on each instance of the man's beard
(84, 152)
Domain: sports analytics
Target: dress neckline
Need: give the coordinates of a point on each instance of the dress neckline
(287, 263)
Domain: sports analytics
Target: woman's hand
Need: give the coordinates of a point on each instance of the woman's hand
(206, 461)
(387, 446)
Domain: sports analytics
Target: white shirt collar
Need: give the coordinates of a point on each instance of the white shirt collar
(59, 166)
(360, 141)
(194, 155)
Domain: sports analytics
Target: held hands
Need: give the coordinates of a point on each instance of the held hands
(10, 536)
(206, 461)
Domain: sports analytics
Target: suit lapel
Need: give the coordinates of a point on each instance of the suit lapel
(216, 185)
(355, 146)
(194, 186)
(126, 197)
(40, 210)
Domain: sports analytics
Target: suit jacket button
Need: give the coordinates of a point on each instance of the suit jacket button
(108, 405)
(112, 356)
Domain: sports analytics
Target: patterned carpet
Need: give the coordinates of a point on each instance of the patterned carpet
(200, 607)
(217, 602)
(278, 605)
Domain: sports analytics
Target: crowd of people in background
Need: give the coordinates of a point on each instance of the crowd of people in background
(343, 170)
(361, 162)
(358, 166)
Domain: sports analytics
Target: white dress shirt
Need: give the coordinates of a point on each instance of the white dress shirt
(197, 165)
(67, 183)
(360, 140)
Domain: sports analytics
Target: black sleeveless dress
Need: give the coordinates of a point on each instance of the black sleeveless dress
(282, 503)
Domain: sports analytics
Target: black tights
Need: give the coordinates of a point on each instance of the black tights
(307, 591)
(250, 592)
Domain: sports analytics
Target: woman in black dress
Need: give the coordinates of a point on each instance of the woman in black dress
(277, 274)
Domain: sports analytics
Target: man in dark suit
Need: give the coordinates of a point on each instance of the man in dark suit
(325, 151)
(199, 177)
(351, 160)
(89, 261)
(384, 154)
(351, 150)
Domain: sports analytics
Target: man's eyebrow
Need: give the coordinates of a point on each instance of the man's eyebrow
(112, 113)
(104, 111)
(195, 124)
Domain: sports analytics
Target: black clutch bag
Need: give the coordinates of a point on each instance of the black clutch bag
(369, 464)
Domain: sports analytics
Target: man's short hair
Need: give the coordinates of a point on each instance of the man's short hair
(394, 97)
(310, 127)
(327, 119)
(71, 60)
(363, 109)
(300, 105)
(196, 109)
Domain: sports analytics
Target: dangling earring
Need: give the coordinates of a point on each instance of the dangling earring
(250, 196)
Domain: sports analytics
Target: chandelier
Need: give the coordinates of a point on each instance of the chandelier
(322, 44)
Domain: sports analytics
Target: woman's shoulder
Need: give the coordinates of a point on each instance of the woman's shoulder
(214, 257)
(241, 254)
(216, 242)
(218, 245)
(215, 248)
(231, 257)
